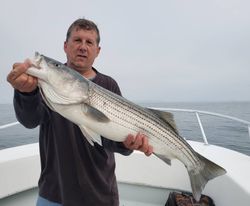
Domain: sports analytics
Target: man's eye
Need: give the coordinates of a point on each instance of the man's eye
(90, 42)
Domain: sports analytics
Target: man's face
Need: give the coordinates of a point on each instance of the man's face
(81, 49)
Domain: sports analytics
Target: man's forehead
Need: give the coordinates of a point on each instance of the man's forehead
(77, 29)
(79, 32)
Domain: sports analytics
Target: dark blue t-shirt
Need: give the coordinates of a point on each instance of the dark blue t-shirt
(73, 172)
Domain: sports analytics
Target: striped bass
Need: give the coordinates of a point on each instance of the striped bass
(99, 112)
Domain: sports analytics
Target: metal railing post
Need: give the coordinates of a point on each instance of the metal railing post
(201, 128)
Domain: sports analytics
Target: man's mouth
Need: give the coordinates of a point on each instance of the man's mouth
(82, 56)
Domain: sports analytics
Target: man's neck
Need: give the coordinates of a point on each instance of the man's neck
(87, 73)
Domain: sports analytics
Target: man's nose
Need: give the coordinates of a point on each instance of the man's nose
(83, 46)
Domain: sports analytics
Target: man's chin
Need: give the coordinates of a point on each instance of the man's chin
(78, 65)
(81, 68)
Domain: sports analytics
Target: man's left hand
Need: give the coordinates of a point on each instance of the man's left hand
(138, 142)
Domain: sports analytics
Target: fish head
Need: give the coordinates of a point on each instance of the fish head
(67, 85)
(38, 67)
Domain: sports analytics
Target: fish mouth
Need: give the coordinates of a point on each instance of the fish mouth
(36, 61)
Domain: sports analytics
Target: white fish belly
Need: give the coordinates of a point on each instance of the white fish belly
(110, 130)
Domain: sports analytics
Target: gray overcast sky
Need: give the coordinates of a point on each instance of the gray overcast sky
(161, 50)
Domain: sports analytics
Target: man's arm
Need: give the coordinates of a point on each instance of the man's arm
(29, 108)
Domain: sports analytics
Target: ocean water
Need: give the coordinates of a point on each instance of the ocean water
(16, 135)
(219, 131)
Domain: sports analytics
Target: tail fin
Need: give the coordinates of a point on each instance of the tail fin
(200, 178)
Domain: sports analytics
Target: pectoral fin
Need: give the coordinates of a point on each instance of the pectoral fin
(91, 136)
(94, 114)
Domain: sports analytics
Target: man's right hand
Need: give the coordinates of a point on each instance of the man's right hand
(20, 80)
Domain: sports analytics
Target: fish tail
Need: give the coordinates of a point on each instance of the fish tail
(200, 178)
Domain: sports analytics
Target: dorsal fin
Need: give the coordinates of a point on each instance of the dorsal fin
(167, 117)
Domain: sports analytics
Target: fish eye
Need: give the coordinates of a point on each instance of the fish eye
(57, 64)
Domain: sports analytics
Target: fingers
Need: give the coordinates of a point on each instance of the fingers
(139, 142)
(17, 70)
(129, 141)
(20, 80)
(145, 147)
(149, 151)
(133, 142)
(30, 84)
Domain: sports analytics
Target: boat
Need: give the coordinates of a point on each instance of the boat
(142, 181)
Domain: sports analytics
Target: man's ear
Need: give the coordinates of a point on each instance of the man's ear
(98, 51)
(65, 45)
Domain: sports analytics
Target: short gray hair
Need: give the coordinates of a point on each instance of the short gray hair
(84, 24)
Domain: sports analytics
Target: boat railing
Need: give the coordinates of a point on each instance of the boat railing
(9, 125)
(196, 112)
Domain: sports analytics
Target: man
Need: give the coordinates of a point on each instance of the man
(73, 173)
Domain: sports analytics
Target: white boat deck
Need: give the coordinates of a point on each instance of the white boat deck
(142, 180)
